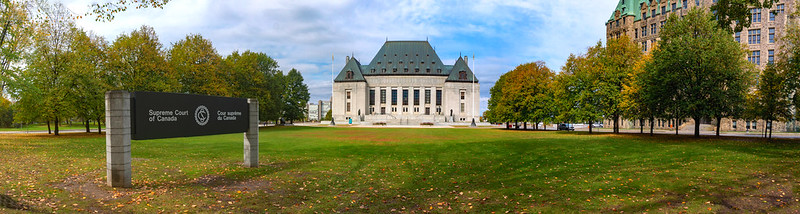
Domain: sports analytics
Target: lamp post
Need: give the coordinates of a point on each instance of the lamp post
(331, 103)
(473, 92)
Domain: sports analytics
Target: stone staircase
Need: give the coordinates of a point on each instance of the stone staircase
(404, 119)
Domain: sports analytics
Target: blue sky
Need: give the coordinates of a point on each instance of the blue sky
(304, 34)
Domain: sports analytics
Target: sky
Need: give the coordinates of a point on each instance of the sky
(304, 34)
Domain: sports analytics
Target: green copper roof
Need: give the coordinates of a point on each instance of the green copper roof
(415, 58)
(634, 8)
(455, 74)
(354, 66)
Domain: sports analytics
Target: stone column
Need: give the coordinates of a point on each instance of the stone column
(251, 136)
(118, 139)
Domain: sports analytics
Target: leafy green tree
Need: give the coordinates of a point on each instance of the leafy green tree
(701, 65)
(48, 66)
(498, 109)
(329, 115)
(295, 96)
(788, 58)
(255, 75)
(734, 15)
(617, 61)
(6, 113)
(195, 63)
(137, 63)
(576, 89)
(15, 38)
(532, 87)
(87, 77)
(771, 100)
(633, 102)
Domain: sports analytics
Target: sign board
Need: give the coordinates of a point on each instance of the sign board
(164, 115)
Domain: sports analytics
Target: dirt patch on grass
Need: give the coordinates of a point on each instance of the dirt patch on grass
(86, 186)
(766, 195)
(9, 202)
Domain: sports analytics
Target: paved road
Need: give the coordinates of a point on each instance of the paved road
(45, 131)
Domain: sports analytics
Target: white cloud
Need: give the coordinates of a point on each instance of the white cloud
(304, 34)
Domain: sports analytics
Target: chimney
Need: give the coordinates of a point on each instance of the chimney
(465, 60)
(347, 59)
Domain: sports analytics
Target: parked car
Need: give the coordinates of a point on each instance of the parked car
(566, 126)
(597, 125)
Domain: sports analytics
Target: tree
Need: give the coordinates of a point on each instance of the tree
(48, 67)
(195, 64)
(295, 96)
(617, 59)
(530, 89)
(87, 78)
(734, 15)
(576, 88)
(6, 113)
(15, 37)
(634, 104)
(788, 59)
(107, 11)
(329, 115)
(702, 66)
(771, 100)
(137, 63)
(255, 75)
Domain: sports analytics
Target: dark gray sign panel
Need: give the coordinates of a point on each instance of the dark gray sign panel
(164, 115)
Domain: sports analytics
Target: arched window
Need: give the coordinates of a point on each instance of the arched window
(349, 75)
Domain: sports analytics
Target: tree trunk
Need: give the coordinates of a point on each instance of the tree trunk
(652, 125)
(48, 127)
(56, 127)
(719, 122)
(508, 125)
(616, 124)
(590, 127)
(675, 123)
(770, 129)
(87, 126)
(516, 125)
(641, 126)
(525, 125)
(696, 127)
(98, 125)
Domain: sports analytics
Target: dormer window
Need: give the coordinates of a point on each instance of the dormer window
(433, 63)
(372, 71)
(439, 71)
(412, 62)
(428, 70)
(405, 70)
(349, 75)
(383, 70)
(401, 62)
(416, 70)
(394, 70)
(462, 75)
(390, 62)
(379, 62)
(422, 63)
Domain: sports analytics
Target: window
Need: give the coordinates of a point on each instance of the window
(663, 9)
(462, 75)
(644, 15)
(348, 107)
(771, 57)
(772, 16)
(405, 97)
(653, 29)
(644, 46)
(755, 57)
(439, 71)
(662, 24)
(394, 109)
(428, 70)
(416, 70)
(394, 70)
(349, 76)
(636, 33)
(755, 15)
(427, 96)
(383, 70)
(347, 94)
(617, 22)
(644, 31)
(685, 4)
(462, 107)
(674, 6)
(772, 35)
(696, 2)
(438, 97)
(653, 13)
(372, 71)
(733, 124)
(394, 96)
(383, 96)
(748, 125)
(755, 124)
(383, 110)
(463, 94)
(754, 36)
(405, 70)
(372, 97)
(416, 98)
(737, 36)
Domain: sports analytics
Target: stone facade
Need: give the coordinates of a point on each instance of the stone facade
(641, 20)
(405, 83)
(317, 111)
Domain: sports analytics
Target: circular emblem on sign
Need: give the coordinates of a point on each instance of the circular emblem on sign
(201, 115)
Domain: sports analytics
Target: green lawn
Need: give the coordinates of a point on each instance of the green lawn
(43, 127)
(320, 169)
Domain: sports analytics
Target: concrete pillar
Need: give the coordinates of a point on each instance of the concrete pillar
(251, 136)
(118, 138)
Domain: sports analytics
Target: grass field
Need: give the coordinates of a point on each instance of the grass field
(313, 169)
(43, 127)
